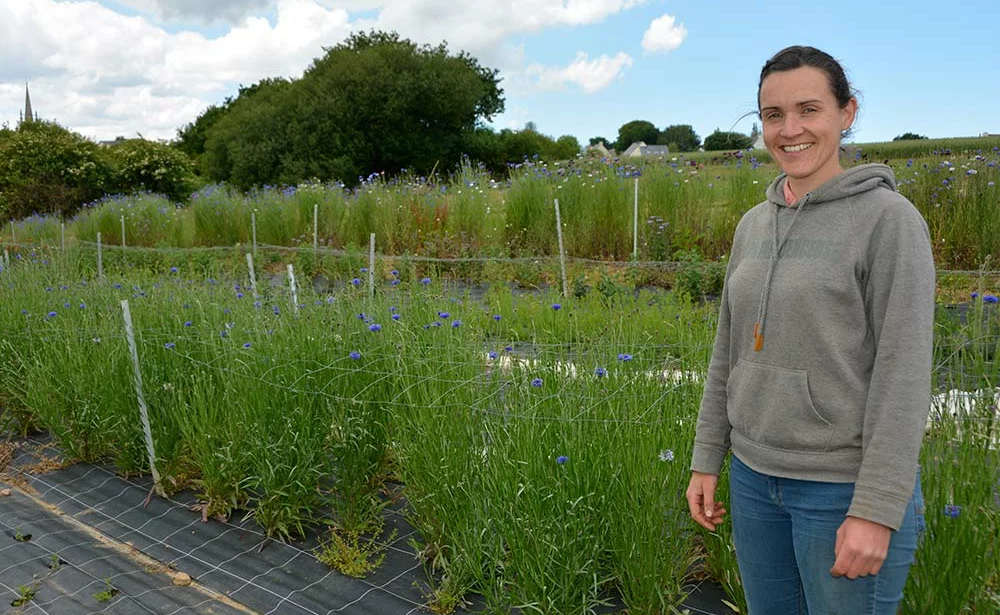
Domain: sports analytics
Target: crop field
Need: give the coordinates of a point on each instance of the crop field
(541, 440)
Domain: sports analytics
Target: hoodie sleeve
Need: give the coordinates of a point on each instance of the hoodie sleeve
(899, 301)
(711, 441)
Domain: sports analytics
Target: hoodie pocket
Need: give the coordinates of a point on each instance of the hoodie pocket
(772, 406)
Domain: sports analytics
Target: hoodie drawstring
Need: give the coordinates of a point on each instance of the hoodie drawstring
(758, 328)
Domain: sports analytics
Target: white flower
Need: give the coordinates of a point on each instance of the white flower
(666, 455)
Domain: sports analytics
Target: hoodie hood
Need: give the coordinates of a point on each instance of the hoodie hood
(852, 181)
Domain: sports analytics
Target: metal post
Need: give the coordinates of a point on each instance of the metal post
(62, 235)
(635, 223)
(143, 411)
(295, 292)
(123, 233)
(100, 259)
(253, 226)
(371, 266)
(253, 276)
(562, 252)
(316, 227)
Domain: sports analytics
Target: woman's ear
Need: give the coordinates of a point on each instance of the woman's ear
(848, 113)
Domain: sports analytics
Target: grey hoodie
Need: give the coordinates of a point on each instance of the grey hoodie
(837, 294)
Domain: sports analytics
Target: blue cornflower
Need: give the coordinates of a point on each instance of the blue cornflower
(561, 459)
(394, 272)
(246, 345)
(83, 306)
(51, 314)
(952, 510)
(330, 299)
(394, 283)
(425, 281)
(355, 355)
(48, 289)
(24, 312)
(188, 323)
(556, 306)
(239, 295)
(443, 315)
(666, 455)
(375, 327)
(276, 310)
(496, 317)
(974, 295)
(364, 270)
(435, 324)
(624, 357)
(356, 282)
(223, 333)
(456, 324)
(536, 382)
(173, 270)
(170, 345)
(508, 349)
(600, 371)
(492, 356)
(66, 305)
(395, 316)
(118, 286)
(990, 299)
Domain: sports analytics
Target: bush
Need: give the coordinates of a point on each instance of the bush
(47, 169)
(147, 166)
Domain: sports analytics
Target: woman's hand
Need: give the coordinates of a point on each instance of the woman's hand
(861, 548)
(701, 500)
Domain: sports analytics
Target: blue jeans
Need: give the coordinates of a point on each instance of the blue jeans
(784, 533)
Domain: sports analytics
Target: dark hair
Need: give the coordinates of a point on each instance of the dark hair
(798, 56)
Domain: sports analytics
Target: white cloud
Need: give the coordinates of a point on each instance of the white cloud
(664, 34)
(589, 75)
(103, 73)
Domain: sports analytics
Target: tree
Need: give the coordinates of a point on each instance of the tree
(636, 130)
(719, 140)
(47, 169)
(909, 136)
(146, 165)
(680, 137)
(191, 138)
(565, 147)
(596, 140)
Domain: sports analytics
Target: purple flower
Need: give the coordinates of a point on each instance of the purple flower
(83, 306)
(364, 270)
(395, 316)
(974, 296)
(375, 327)
(188, 323)
(666, 455)
(561, 459)
(952, 510)
(246, 345)
(25, 312)
(355, 355)
(443, 315)
(508, 349)
(170, 345)
(356, 282)
(496, 317)
(435, 324)
(492, 356)
(394, 283)
(239, 295)
(223, 334)
(990, 299)
(173, 270)
(51, 314)
(556, 306)
(536, 382)
(456, 324)
(624, 357)
(394, 272)
(600, 372)
(425, 281)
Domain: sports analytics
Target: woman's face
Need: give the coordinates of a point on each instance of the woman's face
(802, 125)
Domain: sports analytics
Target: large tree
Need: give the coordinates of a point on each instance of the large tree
(720, 140)
(680, 138)
(636, 130)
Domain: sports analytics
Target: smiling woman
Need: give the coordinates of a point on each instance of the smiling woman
(825, 420)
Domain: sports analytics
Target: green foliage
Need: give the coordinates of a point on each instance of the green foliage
(143, 165)
(908, 136)
(680, 138)
(45, 168)
(719, 140)
(192, 137)
(636, 130)
(596, 140)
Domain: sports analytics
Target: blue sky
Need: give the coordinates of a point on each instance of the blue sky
(579, 67)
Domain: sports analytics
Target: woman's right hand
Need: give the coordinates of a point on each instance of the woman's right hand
(701, 500)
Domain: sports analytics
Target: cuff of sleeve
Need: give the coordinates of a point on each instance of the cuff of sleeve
(708, 459)
(878, 507)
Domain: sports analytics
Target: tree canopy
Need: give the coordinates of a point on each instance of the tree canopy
(375, 102)
(636, 130)
(680, 138)
(720, 140)
(908, 136)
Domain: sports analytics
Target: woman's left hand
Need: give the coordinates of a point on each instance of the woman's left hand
(862, 546)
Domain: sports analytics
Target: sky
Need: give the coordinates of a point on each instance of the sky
(109, 68)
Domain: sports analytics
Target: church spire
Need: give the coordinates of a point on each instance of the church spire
(28, 115)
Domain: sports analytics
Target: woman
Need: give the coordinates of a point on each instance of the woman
(820, 375)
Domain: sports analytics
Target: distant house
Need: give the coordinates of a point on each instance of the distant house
(599, 149)
(990, 134)
(639, 149)
(759, 143)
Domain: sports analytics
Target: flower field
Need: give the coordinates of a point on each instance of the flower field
(541, 442)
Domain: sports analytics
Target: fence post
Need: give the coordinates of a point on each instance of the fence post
(13, 239)
(295, 292)
(143, 411)
(62, 235)
(100, 259)
(123, 234)
(635, 223)
(562, 252)
(253, 226)
(253, 277)
(371, 265)
(315, 228)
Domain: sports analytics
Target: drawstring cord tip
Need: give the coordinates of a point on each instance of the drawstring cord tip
(758, 338)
